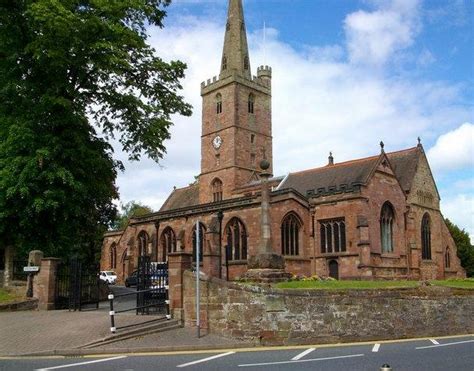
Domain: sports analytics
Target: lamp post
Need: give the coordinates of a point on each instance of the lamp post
(220, 216)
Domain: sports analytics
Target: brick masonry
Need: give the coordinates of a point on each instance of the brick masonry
(276, 317)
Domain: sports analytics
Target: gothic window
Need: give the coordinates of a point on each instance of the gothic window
(426, 237)
(168, 242)
(251, 102)
(332, 236)
(236, 240)
(252, 138)
(218, 103)
(216, 190)
(447, 258)
(202, 231)
(224, 63)
(246, 63)
(142, 243)
(113, 256)
(387, 218)
(290, 235)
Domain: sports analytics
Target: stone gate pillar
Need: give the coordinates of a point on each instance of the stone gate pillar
(44, 283)
(178, 262)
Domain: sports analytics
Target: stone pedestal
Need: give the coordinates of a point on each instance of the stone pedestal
(178, 262)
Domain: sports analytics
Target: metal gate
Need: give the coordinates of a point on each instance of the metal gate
(77, 286)
(152, 287)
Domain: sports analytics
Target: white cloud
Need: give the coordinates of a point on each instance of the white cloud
(321, 102)
(374, 37)
(460, 210)
(454, 149)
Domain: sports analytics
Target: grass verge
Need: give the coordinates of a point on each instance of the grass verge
(5, 296)
(467, 283)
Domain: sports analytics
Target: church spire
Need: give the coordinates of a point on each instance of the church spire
(235, 56)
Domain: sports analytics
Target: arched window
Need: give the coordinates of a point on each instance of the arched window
(290, 233)
(168, 242)
(224, 63)
(246, 63)
(142, 243)
(216, 186)
(236, 239)
(426, 237)
(447, 258)
(251, 102)
(113, 256)
(202, 231)
(219, 103)
(387, 217)
(332, 236)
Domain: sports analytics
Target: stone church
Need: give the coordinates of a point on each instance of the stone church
(371, 218)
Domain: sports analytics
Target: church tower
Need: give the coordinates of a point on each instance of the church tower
(236, 116)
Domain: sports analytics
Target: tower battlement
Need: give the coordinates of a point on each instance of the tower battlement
(264, 71)
(263, 78)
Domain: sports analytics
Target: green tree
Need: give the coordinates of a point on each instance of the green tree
(130, 210)
(464, 247)
(75, 74)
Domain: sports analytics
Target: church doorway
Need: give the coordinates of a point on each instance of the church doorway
(333, 269)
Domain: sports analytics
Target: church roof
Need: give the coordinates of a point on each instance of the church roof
(182, 197)
(345, 175)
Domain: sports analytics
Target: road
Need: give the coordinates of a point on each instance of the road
(455, 353)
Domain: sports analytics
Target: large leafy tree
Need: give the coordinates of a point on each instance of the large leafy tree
(464, 247)
(73, 75)
(129, 210)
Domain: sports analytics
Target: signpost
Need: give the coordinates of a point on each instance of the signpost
(31, 269)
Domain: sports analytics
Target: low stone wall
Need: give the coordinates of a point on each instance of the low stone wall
(27, 304)
(275, 317)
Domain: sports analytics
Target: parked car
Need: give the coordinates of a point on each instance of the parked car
(132, 280)
(109, 277)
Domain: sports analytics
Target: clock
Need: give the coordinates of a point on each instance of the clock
(217, 142)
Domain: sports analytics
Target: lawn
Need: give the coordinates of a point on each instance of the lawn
(360, 285)
(5, 296)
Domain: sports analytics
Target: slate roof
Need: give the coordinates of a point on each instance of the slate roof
(352, 173)
(182, 197)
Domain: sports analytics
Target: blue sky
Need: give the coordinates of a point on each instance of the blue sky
(347, 74)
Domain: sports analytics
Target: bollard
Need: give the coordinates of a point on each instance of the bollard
(112, 314)
(385, 367)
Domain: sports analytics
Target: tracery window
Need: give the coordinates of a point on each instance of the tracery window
(142, 243)
(387, 217)
(218, 103)
(426, 237)
(251, 103)
(168, 242)
(447, 258)
(216, 190)
(290, 229)
(202, 231)
(113, 256)
(332, 235)
(236, 239)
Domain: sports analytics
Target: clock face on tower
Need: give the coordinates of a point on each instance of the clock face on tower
(217, 142)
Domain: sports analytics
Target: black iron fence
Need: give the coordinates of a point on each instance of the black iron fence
(152, 292)
(18, 274)
(77, 286)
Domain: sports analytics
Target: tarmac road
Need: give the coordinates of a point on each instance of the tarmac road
(454, 353)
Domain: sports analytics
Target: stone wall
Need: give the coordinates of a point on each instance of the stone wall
(275, 317)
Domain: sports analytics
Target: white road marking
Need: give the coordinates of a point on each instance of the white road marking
(434, 341)
(81, 363)
(376, 348)
(445, 344)
(299, 361)
(302, 354)
(205, 359)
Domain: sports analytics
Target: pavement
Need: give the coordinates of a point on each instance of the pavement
(67, 332)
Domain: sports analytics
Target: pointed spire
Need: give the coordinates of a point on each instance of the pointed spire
(235, 56)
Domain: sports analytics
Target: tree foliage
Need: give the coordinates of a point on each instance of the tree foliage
(464, 247)
(130, 210)
(73, 75)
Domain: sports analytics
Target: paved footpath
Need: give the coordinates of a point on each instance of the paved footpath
(46, 331)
